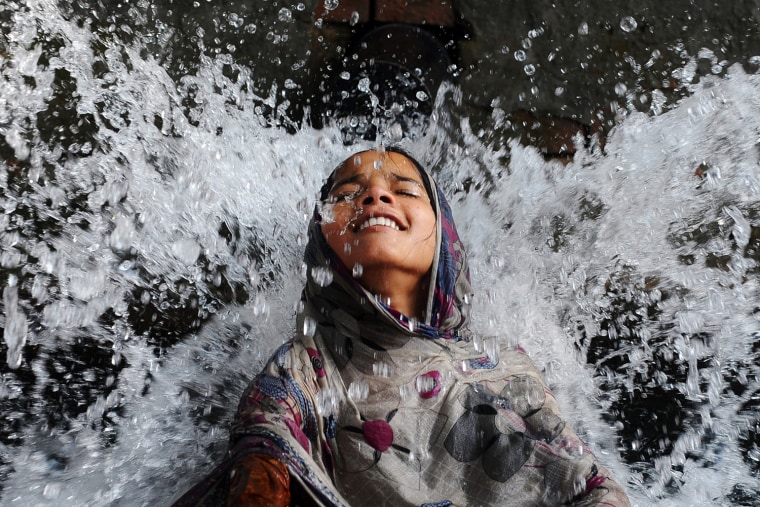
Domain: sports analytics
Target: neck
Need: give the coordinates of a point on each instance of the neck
(406, 294)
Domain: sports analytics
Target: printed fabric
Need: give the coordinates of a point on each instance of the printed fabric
(368, 407)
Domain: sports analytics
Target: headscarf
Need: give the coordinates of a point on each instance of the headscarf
(449, 295)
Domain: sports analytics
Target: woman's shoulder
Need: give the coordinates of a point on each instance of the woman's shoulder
(295, 345)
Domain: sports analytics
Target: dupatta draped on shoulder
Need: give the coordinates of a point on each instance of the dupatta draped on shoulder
(366, 406)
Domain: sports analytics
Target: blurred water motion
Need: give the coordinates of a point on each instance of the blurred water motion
(154, 220)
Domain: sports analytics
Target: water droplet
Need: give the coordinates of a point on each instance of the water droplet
(345, 75)
(620, 89)
(363, 85)
(322, 276)
(260, 305)
(16, 327)
(331, 5)
(253, 275)
(628, 24)
(491, 348)
(358, 390)
(234, 20)
(382, 369)
(520, 55)
(530, 69)
(425, 383)
(583, 29)
(309, 326)
(396, 132)
(354, 18)
(187, 250)
(358, 270)
(396, 108)
(52, 490)
(477, 344)
(285, 15)
(328, 401)
(421, 95)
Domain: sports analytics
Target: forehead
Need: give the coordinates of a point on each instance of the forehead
(371, 162)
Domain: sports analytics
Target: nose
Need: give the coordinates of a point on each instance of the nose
(376, 194)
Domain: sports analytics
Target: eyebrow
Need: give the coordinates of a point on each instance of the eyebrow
(356, 178)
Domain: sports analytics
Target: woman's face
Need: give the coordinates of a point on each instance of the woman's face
(379, 221)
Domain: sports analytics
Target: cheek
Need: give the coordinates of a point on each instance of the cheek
(336, 222)
(337, 234)
(427, 237)
(336, 237)
(426, 222)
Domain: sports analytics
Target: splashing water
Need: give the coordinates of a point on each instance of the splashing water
(358, 390)
(151, 262)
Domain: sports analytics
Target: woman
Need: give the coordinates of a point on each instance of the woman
(382, 397)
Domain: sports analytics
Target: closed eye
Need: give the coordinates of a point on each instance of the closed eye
(345, 196)
(408, 188)
(346, 192)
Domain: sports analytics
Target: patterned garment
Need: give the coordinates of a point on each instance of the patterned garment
(368, 407)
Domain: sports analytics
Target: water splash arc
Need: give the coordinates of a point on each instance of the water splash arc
(151, 252)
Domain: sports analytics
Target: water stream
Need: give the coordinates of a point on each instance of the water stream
(150, 247)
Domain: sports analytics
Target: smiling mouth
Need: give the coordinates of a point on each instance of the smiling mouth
(383, 221)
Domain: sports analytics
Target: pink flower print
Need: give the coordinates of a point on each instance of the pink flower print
(378, 434)
(428, 384)
(316, 362)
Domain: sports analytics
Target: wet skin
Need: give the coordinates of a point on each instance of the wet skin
(396, 253)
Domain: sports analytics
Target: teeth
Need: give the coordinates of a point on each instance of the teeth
(387, 222)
